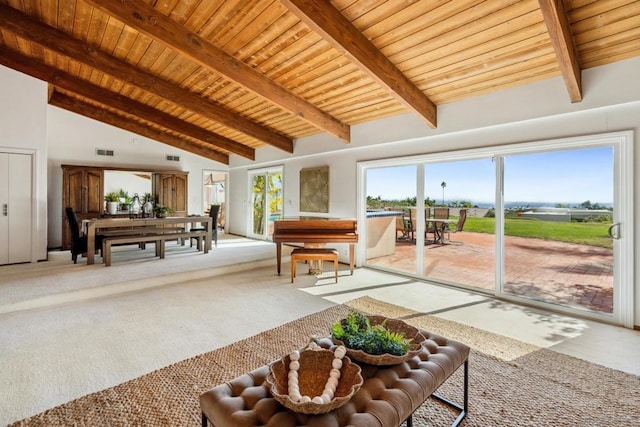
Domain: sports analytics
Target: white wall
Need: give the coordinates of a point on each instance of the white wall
(23, 127)
(534, 112)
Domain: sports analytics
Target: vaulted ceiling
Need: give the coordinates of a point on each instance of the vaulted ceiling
(221, 78)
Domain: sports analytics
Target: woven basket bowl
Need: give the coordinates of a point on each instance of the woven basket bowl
(393, 325)
(315, 366)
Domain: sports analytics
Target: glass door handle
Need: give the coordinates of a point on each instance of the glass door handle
(614, 231)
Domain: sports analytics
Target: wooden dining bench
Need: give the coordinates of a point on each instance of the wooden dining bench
(159, 238)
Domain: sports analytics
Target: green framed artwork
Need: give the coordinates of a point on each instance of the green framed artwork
(314, 189)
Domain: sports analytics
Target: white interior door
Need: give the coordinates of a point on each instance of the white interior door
(15, 205)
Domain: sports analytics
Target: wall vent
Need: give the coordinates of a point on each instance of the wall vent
(104, 152)
(173, 158)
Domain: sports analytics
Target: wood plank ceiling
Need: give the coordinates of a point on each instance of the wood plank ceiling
(221, 78)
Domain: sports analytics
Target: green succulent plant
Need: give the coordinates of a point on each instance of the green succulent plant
(356, 332)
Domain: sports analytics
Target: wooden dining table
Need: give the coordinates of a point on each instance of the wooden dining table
(91, 227)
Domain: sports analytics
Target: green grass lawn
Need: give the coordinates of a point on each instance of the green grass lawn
(585, 233)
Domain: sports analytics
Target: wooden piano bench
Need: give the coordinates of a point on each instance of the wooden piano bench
(314, 254)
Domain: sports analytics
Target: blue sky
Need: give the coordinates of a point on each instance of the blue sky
(556, 177)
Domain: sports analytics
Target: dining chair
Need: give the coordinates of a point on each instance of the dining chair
(79, 242)
(214, 211)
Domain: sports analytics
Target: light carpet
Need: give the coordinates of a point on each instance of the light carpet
(511, 383)
(59, 280)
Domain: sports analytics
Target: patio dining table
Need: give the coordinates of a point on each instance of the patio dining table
(92, 227)
(440, 226)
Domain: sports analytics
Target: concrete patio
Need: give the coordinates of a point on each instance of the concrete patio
(556, 272)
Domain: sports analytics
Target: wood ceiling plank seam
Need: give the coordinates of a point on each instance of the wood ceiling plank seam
(490, 27)
(307, 87)
(126, 47)
(208, 55)
(201, 14)
(410, 21)
(361, 103)
(148, 58)
(464, 94)
(373, 110)
(576, 4)
(447, 45)
(66, 12)
(338, 88)
(98, 25)
(443, 59)
(486, 60)
(609, 17)
(594, 44)
(245, 22)
(593, 9)
(381, 11)
(309, 45)
(325, 74)
(480, 70)
(541, 62)
(353, 9)
(111, 35)
(182, 10)
(608, 59)
(32, 8)
(48, 12)
(505, 80)
(603, 56)
(277, 36)
(222, 16)
(82, 20)
(304, 68)
(630, 24)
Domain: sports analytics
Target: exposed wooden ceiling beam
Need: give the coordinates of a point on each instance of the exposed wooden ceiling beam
(122, 103)
(557, 24)
(91, 111)
(62, 43)
(338, 31)
(146, 19)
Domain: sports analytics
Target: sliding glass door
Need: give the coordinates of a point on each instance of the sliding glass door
(547, 223)
(558, 209)
(266, 202)
(460, 251)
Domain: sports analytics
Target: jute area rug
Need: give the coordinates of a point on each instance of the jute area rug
(511, 383)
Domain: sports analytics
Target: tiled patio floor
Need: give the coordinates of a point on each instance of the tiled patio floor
(556, 272)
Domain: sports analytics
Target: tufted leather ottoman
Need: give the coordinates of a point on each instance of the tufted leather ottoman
(389, 395)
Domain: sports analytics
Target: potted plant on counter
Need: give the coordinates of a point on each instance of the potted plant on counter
(113, 200)
(162, 211)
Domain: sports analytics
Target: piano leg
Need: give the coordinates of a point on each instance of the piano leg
(279, 255)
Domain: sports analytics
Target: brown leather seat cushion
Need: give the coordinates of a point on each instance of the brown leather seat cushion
(388, 396)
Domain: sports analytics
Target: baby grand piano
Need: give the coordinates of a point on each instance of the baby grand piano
(311, 230)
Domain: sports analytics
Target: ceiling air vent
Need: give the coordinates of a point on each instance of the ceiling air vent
(104, 152)
(173, 158)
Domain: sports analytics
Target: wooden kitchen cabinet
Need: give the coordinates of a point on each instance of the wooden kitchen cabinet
(171, 190)
(82, 190)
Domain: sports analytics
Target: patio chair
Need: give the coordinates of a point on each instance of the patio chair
(404, 224)
(437, 228)
(462, 217)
